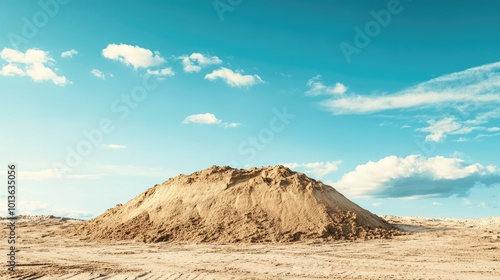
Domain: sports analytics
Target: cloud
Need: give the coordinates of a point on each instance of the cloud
(234, 79)
(41, 208)
(436, 203)
(283, 75)
(482, 135)
(484, 117)
(440, 129)
(472, 95)
(51, 174)
(415, 175)
(33, 207)
(196, 61)
(69, 53)
(316, 87)
(377, 204)
(33, 63)
(133, 55)
(466, 202)
(99, 171)
(12, 70)
(209, 119)
(97, 73)
(315, 169)
(114, 146)
(206, 118)
(29, 207)
(70, 213)
(478, 86)
(230, 125)
(38, 175)
(162, 73)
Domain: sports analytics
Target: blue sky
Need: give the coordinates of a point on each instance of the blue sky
(394, 103)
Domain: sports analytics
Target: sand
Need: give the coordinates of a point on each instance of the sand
(227, 205)
(260, 223)
(435, 249)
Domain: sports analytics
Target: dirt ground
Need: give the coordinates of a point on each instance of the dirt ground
(433, 249)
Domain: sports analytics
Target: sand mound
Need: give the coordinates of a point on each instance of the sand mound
(222, 204)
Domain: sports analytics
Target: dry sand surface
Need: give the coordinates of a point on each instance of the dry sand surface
(228, 205)
(258, 223)
(435, 249)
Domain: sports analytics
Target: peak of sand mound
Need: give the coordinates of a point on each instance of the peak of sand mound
(223, 204)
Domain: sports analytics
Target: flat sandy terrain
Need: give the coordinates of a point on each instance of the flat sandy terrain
(435, 249)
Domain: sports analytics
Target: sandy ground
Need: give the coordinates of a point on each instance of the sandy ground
(435, 249)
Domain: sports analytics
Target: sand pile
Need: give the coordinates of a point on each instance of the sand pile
(222, 204)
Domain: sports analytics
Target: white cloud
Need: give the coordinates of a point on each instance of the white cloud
(51, 174)
(196, 61)
(482, 135)
(70, 213)
(439, 130)
(315, 169)
(466, 202)
(316, 87)
(230, 125)
(470, 99)
(474, 86)
(484, 117)
(29, 207)
(12, 70)
(416, 197)
(69, 53)
(162, 73)
(234, 79)
(482, 205)
(206, 118)
(99, 171)
(114, 146)
(377, 204)
(386, 123)
(33, 63)
(39, 72)
(416, 176)
(33, 208)
(41, 208)
(85, 176)
(97, 73)
(133, 55)
(38, 175)
(288, 76)
(210, 119)
(436, 203)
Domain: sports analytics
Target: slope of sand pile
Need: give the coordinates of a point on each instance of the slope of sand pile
(222, 204)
